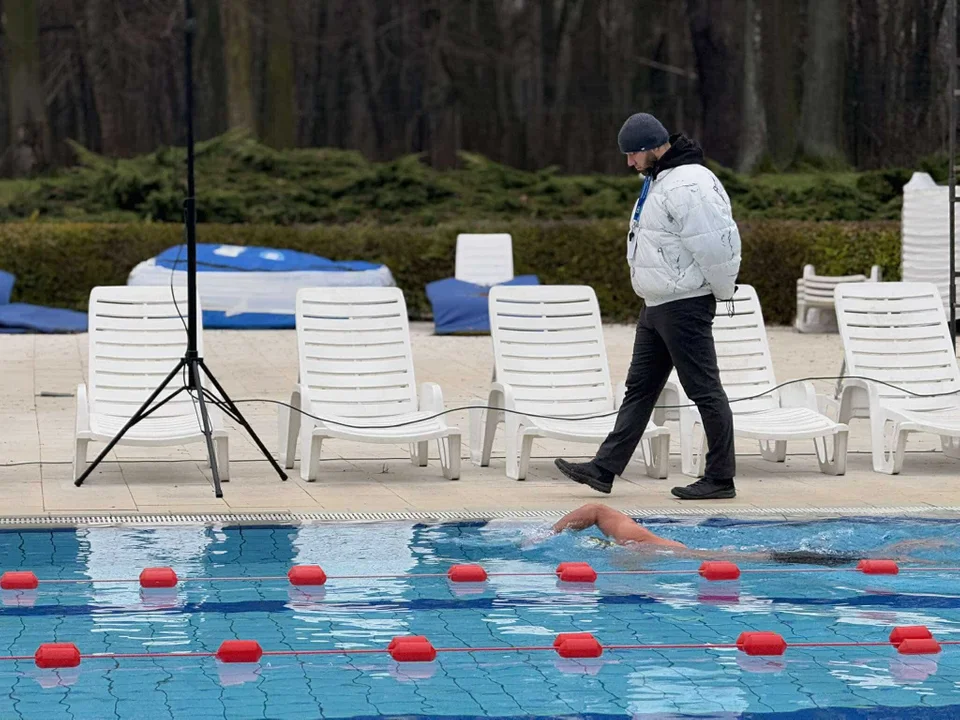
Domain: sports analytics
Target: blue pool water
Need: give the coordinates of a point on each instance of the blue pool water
(832, 605)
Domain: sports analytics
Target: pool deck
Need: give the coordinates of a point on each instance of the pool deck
(37, 426)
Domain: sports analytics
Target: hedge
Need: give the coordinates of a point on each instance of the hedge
(58, 264)
(240, 182)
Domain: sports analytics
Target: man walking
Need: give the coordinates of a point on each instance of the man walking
(683, 249)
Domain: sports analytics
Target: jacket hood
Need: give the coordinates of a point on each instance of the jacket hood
(683, 151)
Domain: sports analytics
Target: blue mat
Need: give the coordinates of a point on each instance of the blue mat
(461, 307)
(16, 318)
(274, 273)
(23, 318)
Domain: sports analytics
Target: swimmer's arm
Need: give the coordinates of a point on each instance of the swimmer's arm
(612, 523)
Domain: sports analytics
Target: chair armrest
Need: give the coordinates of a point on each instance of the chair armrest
(305, 406)
(509, 398)
(83, 409)
(799, 395)
(431, 397)
(854, 388)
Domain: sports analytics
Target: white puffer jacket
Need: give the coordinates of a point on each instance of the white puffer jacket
(685, 243)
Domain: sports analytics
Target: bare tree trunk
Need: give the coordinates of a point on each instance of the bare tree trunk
(238, 40)
(781, 97)
(5, 133)
(210, 71)
(717, 35)
(754, 133)
(278, 124)
(824, 80)
(30, 136)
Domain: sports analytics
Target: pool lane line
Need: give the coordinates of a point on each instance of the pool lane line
(522, 648)
(415, 576)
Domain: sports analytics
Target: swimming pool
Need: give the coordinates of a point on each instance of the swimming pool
(508, 611)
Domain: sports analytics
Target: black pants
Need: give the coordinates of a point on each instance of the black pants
(676, 334)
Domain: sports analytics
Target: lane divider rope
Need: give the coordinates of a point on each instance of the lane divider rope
(907, 640)
(573, 572)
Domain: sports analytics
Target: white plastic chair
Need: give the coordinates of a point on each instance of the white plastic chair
(746, 370)
(898, 333)
(484, 259)
(815, 293)
(356, 367)
(550, 359)
(136, 338)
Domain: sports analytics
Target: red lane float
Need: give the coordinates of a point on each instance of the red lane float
(761, 643)
(878, 567)
(719, 570)
(909, 632)
(576, 572)
(18, 580)
(577, 645)
(239, 651)
(563, 637)
(918, 646)
(412, 648)
(57, 655)
(467, 573)
(158, 577)
(306, 575)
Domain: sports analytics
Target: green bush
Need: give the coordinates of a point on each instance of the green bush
(58, 263)
(240, 181)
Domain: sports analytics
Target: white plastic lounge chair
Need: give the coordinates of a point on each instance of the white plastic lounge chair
(550, 359)
(746, 370)
(815, 294)
(898, 333)
(136, 339)
(356, 367)
(484, 259)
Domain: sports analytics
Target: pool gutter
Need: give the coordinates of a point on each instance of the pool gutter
(296, 518)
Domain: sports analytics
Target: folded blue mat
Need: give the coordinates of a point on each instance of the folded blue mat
(461, 307)
(17, 318)
(20, 318)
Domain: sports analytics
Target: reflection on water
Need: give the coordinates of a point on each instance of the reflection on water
(514, 608)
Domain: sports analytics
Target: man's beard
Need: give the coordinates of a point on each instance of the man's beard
(649, 160)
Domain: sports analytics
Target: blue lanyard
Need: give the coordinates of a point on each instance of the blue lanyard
(643, 198)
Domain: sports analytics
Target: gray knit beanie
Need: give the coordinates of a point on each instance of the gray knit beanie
(641, 132)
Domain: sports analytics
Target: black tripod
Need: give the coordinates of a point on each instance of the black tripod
(191, 361)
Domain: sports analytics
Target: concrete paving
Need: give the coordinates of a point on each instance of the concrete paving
(39, 375)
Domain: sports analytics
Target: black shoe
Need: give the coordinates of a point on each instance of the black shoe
(705, 489)
(587, 473)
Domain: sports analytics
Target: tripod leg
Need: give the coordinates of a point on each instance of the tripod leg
(243, 421)
(207, 427)
(142, 412)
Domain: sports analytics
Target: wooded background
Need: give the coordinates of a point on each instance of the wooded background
(530, 83)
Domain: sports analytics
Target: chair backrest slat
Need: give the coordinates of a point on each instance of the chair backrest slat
(354, 351)
(548, 345)
(743, 353)
(898, 333)
(136, 337)
(484, 259)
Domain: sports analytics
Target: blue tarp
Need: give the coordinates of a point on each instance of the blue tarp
(265, 278)
(227, 258)
(461, 307)
(23, 318)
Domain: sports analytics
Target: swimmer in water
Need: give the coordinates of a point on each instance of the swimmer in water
(624, 531)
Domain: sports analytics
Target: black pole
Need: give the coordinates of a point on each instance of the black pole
(191, 360)
(952, 170)
(190, 204)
